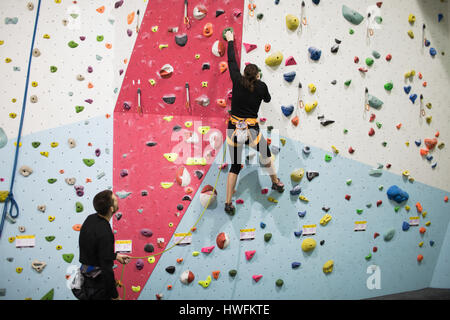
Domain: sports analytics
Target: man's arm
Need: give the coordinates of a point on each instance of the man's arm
(266, 96)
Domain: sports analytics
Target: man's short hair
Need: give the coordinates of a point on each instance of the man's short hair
(103, 201)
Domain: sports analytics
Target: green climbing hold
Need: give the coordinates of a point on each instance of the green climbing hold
(347, 83)
(349, 182)
(51, 180)
(378, 19)
(49, 295)
(378, 125)
(389, 235)
(53, 69)
(359, 211)
(328, 158)
(259, 16)
(35, 144)
(384, 143)
(225, 31)
(78, 109)
(279, 283)
(68, 257)
(389, 86)
(396, 209)
(100, 38)
(376, 54)
(374, 102)
(351, 15)
(79, 207)
(369, 61)
(369, 256)
(267, 237)
(232, 273)
(73, 44)
(380, 187)
(351, 31)
(89, 162)
(345, 131)
(50, 238)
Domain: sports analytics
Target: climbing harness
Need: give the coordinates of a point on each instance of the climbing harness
(151, 258)
(186, 19)
(242, 131)
(10, 198)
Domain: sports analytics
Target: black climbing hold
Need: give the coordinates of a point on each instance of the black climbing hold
(144, 193)
(169, 99)
(149, 247)
(311, 175)
(180, 207)
(177, 128)
(325, 123)
(326, 209)
(259, 16)
(316, 2)
(320, 117)
(170, 269)
(151, 144)
(299, 85)
(322, 242)
(181, 39)
(118, 216)
(199, 174)
(337, 41)
(335, 48)
(186, 198)
(206, 66)
(333, 82)
(219, 12)
(232, 273)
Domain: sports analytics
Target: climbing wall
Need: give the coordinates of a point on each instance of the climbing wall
(83, 133)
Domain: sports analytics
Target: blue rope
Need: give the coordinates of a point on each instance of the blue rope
(10, 198)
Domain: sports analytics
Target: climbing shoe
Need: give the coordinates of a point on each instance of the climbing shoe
(230, 209)
(279, 186)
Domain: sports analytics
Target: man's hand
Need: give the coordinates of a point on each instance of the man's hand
(229, 36)
(123, 259)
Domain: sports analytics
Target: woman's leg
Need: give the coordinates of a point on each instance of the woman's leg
(235, 156)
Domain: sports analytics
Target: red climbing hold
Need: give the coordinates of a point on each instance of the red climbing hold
(388, 165)
(375, 235)
(347, 197)
(446, 198)
(375, 249)
(422, 230)
(256, 277)
(379, 202)
(379, 4)
(372, 117)
(371, 132)
(430, 143)
(356, 59)
(351, 150)
(249, 47)
(264, 191)
(239, 201)
(419, 258)
(389, 57)
(362, 69)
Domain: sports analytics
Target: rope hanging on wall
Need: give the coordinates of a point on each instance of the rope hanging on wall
(10, 198)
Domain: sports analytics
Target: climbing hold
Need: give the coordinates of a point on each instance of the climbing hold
(207, 196)
(166, 71)
(389, 235)
(218, 48)
(89, 162)
(413, 98)
(279, 283)
(38, 265)
(314, 53)
(68, 257)
(419, 207)
(290, 76)
(325, 219)
(351, 15)
(292, 22)
(219, 12)
(397, 194)
(49, 295)
(419, 258)
(287, 111)
(374, 102)
(297, 174)
(422, 230)
(290, 61)
(328, 158)
(222, 240)
(411, 34)
(411, 18)
(335, 48)
(25, 171)
(296, 190)
(369, 256)
(200, 12)
(187, 277)
(309, 107)
(79, 207)
(205, 283)
(308, 244)
(389, 57)
(295, 265)
(257, 277)
(170, 269)
(149, 247)
(389, 86)
(328, 266)
(249, 254)
(72, 44)
(249, 47)
(405, 226)
(369, 61)
(274, 59)
(208, 30)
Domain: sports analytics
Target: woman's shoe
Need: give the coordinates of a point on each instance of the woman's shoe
(279, 186)
(230, 209)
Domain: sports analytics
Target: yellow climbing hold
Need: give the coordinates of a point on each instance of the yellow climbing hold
(421, 244)
(44, 153)
(308, 244)
(283, 141)
(15, 144)
(171, 157)
(407, 208)
(155, 28)
(51, 218)
(58, 247)
(168, 118)
(11, 239)
(405, 173)
(303, 198)
(325, 219)
(13, 115)
(151, 259)
(297, 174)
(195, 253)
(3, 195)
(274, 59)
(428, 223)
(334, 149)
(188, 124)
(136, 288)
(424, 214)
(162, 46)
(152, 81)
(195, 161)
(204, 129)
(310, 107)
(292, 22)
(8, 60)
(272, 200)
(54, 144)
(166, 185)
(411, 18)
(205, 283)
(46, 36)
(328, 266)
(312, 88)
(34, 84)
(411, 34)
(19, 269)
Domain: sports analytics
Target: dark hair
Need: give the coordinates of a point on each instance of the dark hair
(249, 79)
(103, 201)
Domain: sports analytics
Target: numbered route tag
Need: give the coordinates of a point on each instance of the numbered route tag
(25, 241)
(360, 225)
(414, 221)
(123, 246)
(309, 230)
(185, 241)
(247, 234)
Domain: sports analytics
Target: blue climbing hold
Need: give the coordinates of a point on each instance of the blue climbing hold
(289, 76)
(440, 17)
(434, 165)
(431, 243)
(433, 52)
(296, 190)
(277, 1)
(316, 2)
(397, 194)
(407, 89)
(315, 53)
(413, 98)
(405, 226)
(262, 225)
(298, 233)
(287, 111)
(427, 43)
(295, 265)
(301, 214)
(429, 157)
(418, 142)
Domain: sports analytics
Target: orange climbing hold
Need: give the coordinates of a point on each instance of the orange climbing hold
(399, 126)
(269, 141)
(221, 103)
(215, 274)
(430, 143)
(423, 152)
(108, 46)
(422, 230)
(76, 227)
(169, 287)
(101, 9)
(223, 66)
(61, 171)
(295, 121)
(419, 258)
(130, 18)
(419, 207)
(267, 47)
(179, 260)
(193, 229)
(437, 134)
(208, 30)
(446, 198)
(90, 85)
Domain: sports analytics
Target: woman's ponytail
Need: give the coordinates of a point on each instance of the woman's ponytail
(249, 78)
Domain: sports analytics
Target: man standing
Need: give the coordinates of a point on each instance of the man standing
(97, 254)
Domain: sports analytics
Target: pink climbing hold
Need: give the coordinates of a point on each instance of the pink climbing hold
(290, 61)
(249, 254)
(249, 47)
(264, 191)
(239, 201)
(208, 249)
(257, 277)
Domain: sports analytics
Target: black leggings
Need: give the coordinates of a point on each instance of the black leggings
(236, 151)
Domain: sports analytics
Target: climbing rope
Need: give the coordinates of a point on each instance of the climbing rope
(10, 198)
(193, 228)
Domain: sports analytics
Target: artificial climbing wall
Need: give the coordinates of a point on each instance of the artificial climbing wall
(134, 153)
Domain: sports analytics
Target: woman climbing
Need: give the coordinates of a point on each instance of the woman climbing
(243, 128)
